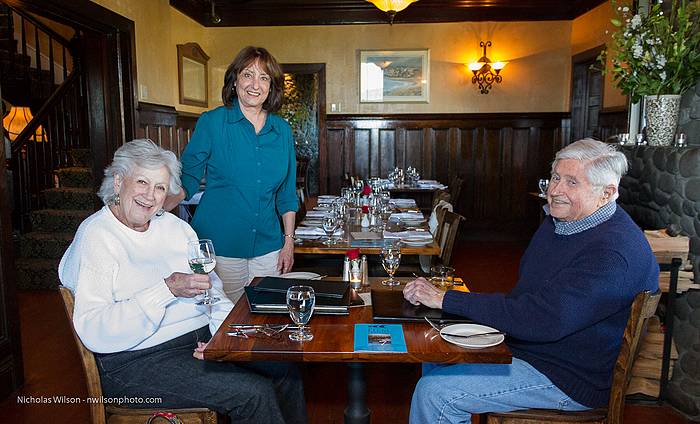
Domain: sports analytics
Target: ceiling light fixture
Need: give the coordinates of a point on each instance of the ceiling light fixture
(214, 17)
(485, 71)
(391, 7)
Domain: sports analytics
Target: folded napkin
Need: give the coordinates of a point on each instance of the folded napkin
(313, 231)
(407, 215)
(403, 203)
(415, 235)
(316, 214)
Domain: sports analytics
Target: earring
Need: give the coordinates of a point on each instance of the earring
(116, 200)
(160, 212)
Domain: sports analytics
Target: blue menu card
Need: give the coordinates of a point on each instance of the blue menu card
(379, 338)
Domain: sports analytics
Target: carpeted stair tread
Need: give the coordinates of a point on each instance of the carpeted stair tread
(74, 177)
(60, 220)
(71, 198)
(37, 244)
(35, 273)
(81, 157)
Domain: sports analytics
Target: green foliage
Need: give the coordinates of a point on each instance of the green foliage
(658, 53)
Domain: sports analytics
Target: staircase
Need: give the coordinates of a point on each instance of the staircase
(53, 228)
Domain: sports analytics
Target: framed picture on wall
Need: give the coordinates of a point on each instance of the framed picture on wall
(394, 76)
(193, 75)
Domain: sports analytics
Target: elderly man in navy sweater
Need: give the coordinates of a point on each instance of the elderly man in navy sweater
(567, 313)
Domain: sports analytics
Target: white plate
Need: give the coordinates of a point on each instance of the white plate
(473, 342)
(416, 242)
(301, 275)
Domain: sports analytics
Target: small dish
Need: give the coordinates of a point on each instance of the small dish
(416, 241)
(476, 342)
(301, 275)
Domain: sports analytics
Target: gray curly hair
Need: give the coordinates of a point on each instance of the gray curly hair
(603, 163)
(143, 153)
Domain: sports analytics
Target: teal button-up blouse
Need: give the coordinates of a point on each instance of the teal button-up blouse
(250, 181)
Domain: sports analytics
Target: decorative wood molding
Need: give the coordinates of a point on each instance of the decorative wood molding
(166, 126)
(499, 156)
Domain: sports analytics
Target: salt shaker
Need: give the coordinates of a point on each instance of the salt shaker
(346, 269)
(681, 140)
(365, 271)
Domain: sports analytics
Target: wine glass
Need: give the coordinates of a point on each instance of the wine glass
(330, 224)
(543, 184)
(391, 258)
(300, 303)
(202, 260)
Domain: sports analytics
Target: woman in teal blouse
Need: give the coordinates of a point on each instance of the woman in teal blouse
(247, 155)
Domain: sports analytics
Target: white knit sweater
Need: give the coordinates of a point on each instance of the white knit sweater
(117, 275)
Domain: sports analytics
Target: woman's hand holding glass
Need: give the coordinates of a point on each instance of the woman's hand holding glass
(202, 260)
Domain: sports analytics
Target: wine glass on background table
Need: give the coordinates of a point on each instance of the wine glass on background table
(202, 260)
(300, 303)
(543, 185)
(391, 258)
(330, 224)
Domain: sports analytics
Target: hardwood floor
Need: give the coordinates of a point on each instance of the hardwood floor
(52, 367)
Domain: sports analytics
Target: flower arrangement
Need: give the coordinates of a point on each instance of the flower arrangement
(658, 53)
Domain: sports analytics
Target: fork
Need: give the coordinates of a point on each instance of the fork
(434, 324)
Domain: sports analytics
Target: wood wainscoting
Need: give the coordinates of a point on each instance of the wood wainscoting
(166, 126)
(499, 156)
(612, 121)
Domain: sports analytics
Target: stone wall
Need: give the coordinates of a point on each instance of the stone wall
(663, 187)
(689, 122)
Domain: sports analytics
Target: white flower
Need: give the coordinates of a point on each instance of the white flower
(625, 9)
(636, 21)
(663, 75)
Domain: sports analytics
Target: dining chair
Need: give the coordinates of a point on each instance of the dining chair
(301, 213)
(455, 188)
(303, 174)
(642, 309)
(107, 414)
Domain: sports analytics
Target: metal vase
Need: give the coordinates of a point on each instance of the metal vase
(662, 118)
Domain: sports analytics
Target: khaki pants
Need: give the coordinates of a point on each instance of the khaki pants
(237, 273)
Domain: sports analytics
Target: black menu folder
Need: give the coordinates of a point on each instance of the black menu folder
(332, 297)
(390, 305)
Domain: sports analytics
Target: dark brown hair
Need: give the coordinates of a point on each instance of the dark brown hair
(268, 63)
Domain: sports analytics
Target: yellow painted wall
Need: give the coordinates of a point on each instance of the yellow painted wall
(589, 31)
(159, 28)
(535, 80)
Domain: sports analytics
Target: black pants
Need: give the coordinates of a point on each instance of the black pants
(255, 392)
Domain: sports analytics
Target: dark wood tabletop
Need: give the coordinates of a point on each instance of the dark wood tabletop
(333, 341)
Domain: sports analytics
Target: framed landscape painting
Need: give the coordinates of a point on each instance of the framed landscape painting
(394, 76)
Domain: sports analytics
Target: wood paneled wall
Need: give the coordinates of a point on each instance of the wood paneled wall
(612, 121)
(166, 126)
(500, 157)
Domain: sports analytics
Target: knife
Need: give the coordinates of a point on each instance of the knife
(468, 336)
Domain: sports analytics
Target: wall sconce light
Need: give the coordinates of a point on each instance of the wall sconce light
(391, 7)
(17, 120)
(485, 71)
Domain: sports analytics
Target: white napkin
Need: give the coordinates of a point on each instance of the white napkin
(312, 231)
(407, 215)
(403, 203)
(316, 214)
(415, 235)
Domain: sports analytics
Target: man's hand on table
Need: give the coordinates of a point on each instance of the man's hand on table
(420, 291)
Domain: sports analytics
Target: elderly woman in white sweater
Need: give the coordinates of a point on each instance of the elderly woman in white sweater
(135, 306)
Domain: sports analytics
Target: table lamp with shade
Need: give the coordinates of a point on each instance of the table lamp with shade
(17, 119)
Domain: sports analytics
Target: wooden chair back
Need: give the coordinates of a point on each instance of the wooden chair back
(455, 188)
(301, 213)
(447, 234)
(642, 309)
(101, 414)
(303, 174)
(441, 195)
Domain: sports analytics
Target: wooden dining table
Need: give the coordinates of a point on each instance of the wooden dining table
(333, 341)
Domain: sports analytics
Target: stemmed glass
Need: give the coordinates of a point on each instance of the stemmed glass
(391, 258)
(300, 302)
(202, 260)
(330, 224)
(543, 184)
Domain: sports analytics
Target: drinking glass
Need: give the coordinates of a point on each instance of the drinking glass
(300, 303)
(442, 276)
(543, 184)
(202, 260)
(391, 258)
(330, 224)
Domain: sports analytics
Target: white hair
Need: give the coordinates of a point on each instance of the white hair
(603, 163)
(143, 153)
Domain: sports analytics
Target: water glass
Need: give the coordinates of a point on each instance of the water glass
(543, 184)
(391, 258)
(330, 224)
(300, 303)
(442, 276)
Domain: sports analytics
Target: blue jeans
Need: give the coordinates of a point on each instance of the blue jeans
(451, 393)
(254, 392)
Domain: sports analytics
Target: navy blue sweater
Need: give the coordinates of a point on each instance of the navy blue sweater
(568, 311)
